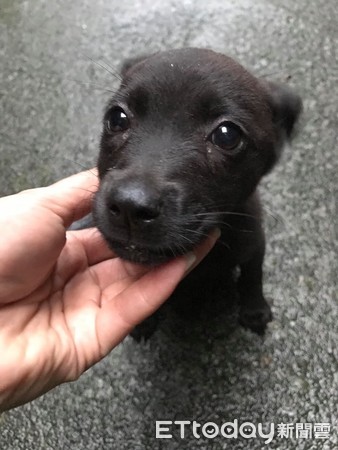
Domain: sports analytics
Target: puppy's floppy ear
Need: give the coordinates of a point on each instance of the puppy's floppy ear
(131, 63)
(286, 107)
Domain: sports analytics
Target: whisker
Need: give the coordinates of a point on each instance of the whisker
(93, 85)
(220, 242)
(271, 74)
(208, 220)
(181, 249)
(199, 233)
(224, 244)
(286, 71)
(83, 167)
(172, 249)
(184, 237)
(113, 73)
(228, 213)
(86, 190)
(276, 216)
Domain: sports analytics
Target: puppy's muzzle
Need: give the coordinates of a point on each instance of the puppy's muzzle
(139, 206)
(146, 218)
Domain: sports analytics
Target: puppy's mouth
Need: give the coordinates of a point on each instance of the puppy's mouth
(150, 256)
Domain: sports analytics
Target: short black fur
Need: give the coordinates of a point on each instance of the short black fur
(185, 142)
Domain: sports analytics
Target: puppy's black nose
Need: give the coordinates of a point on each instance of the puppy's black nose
(134, 203)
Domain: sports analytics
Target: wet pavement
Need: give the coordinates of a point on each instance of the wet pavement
(52, 93)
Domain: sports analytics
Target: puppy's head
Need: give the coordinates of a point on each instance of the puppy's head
(185, 140)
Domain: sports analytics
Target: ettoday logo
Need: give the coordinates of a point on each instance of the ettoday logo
(246, 430)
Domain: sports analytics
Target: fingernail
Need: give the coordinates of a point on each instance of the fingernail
(190, 258)
(216, 233)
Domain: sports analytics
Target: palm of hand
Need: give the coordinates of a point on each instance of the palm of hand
(65, 300)
(74, 313)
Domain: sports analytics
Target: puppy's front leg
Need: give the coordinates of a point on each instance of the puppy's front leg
(144, 330)
(255, 313)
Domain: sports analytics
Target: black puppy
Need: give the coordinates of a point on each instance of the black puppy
(185, 142)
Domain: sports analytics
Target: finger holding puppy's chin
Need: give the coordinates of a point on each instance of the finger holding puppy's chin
(195, 257)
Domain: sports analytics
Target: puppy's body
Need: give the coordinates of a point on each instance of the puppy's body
(185, 142)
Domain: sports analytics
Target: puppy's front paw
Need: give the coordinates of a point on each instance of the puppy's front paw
(255, 318)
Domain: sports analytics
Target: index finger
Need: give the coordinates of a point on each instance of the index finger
(143, 297)
(71, 198)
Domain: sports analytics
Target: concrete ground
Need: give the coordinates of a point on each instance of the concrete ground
(207, 369)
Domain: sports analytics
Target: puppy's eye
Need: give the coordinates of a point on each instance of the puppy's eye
(117, 120)
(227, 136)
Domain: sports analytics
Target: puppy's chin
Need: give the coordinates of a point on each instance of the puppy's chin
(148, 256)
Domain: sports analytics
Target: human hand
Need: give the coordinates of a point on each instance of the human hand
(65, 300)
